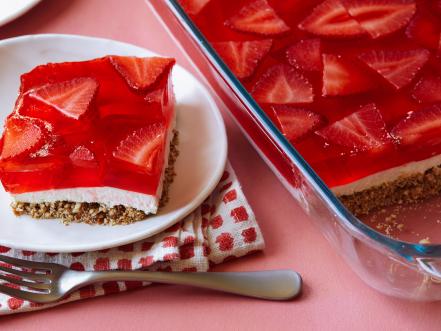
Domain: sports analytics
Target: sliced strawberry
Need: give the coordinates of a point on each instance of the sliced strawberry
(397, 67)
(381, 17)
(141, 72)
(295, 123)
(72, 98)
(142, 147)
(363, 130)
(331, 19)
(83, 157)
(243, 56)
(423, 126)
(305, 55)
(282, 84)
(258, 17)
(193, 7)
(425, 29)
(342, 76)
(22, 134)
(428, 89)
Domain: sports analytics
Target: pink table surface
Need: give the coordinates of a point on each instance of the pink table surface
(334, 297)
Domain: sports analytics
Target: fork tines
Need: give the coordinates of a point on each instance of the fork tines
(17, 272)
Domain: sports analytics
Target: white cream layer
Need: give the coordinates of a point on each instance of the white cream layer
(108, 196)
(388, 175)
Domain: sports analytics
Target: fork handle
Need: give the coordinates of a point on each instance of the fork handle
(270, 285)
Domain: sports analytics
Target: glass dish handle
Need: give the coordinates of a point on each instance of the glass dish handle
(430, 267)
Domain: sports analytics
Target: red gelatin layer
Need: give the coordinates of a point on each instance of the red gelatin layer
(353, 84)
(98, 123)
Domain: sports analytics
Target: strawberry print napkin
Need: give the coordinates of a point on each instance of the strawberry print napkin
(222, 228)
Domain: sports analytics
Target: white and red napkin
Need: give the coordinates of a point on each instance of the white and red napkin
(222, 228)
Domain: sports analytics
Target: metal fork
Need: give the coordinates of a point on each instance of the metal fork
(50, 282)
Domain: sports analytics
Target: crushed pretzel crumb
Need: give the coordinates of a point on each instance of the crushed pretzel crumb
(404, 190)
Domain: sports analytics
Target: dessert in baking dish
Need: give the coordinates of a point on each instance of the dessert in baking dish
(354, 85)
(91, 141)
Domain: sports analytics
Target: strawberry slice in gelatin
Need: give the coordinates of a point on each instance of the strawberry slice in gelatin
(22, 135)
(243, 56)
(331, 18)
(420, 126)
(72, 98)
(193, 7)
(381, 17)
(142, 147)
(141, 73)
(282, 84)
(305, 55)
(295, 123)
(397, 67)
(364, 130)
(342, 76)
(258, 17)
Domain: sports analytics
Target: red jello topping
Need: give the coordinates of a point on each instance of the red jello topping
(98, 123)
(355, 85)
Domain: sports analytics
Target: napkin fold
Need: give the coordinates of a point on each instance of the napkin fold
(222, 228)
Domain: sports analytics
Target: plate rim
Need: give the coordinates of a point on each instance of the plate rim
(187, 209)
(19, 13)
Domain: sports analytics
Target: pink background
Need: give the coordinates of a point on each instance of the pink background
(334, 298)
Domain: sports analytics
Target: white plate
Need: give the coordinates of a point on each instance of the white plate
(12, 9)
(202, 146)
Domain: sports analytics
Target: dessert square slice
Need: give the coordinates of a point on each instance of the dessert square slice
(91, 141)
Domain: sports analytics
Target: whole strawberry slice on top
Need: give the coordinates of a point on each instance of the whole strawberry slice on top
(294, 122)
(331, 19)
(242, 57)
(142, 147)
(421, 126)
(22, 134)
(305, 55)
(342, 76)
(381, 17)
(354, 18)
(397, 67)
(364, 130)
(282, 84)
(258, 16)
(72, 98)
(141, 72)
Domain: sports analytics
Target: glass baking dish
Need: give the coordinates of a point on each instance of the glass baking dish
(394, 267)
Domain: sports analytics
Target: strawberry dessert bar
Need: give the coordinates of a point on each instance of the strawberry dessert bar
(354, 85)
(91, 141)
